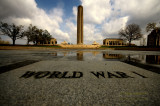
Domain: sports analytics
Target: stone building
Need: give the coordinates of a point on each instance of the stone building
(95, 43)
(154, 38)
(64, 43)
(113, 42)
(53, 41)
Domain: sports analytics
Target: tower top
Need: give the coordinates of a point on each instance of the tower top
(80, 6)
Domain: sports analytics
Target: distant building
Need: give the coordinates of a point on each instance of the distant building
(113, 42)
(95, 43)
(64, 43)
(154, 38)
(127, 44)
(53, 41)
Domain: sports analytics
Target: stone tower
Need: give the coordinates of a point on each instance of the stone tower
(80, 25)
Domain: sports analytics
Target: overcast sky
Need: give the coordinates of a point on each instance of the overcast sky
(102, 18)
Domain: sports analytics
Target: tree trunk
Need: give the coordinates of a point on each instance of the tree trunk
(14, 42)
(27, 41)
(13, 39)
(36, 42)
(129, 42)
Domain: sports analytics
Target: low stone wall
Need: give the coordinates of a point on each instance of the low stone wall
(80, 46)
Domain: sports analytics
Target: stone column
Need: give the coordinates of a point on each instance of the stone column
(80, 25)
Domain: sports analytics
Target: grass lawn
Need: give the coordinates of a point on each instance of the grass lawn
(131, 48)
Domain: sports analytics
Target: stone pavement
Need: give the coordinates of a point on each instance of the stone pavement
(85, 83)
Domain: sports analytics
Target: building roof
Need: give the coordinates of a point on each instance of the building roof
(64, 43)
(95, 43)
(114, 38)
(52, 38)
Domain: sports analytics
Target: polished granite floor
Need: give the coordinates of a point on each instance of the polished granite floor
(79, 77)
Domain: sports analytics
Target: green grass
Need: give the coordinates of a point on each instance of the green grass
(126, 47)
(4, 42)
(114, 46)
(50, 46)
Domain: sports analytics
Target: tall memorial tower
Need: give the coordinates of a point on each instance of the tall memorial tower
(80, 25)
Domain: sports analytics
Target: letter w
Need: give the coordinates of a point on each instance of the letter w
(28, 74)
(98, 74)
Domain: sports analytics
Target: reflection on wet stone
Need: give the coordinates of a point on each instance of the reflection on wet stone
(152, 59)
(54, 54)
(79, 55)
(65, 53)
(109, 56)
(95, 53)
(82, 55)
(112, 56)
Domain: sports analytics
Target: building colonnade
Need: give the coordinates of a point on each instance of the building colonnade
(113, 42)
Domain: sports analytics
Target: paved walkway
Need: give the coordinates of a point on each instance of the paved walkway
(50, 82)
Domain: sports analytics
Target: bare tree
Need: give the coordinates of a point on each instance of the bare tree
(37, 36)
(30, 33)
(13, 31)
(131, 32)
(40, 35)
(155, 31)
(46, 36)
(151, 26)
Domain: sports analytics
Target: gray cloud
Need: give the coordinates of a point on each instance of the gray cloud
(102, 18)
(139, 11)
(25, 12)
(17, 8)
